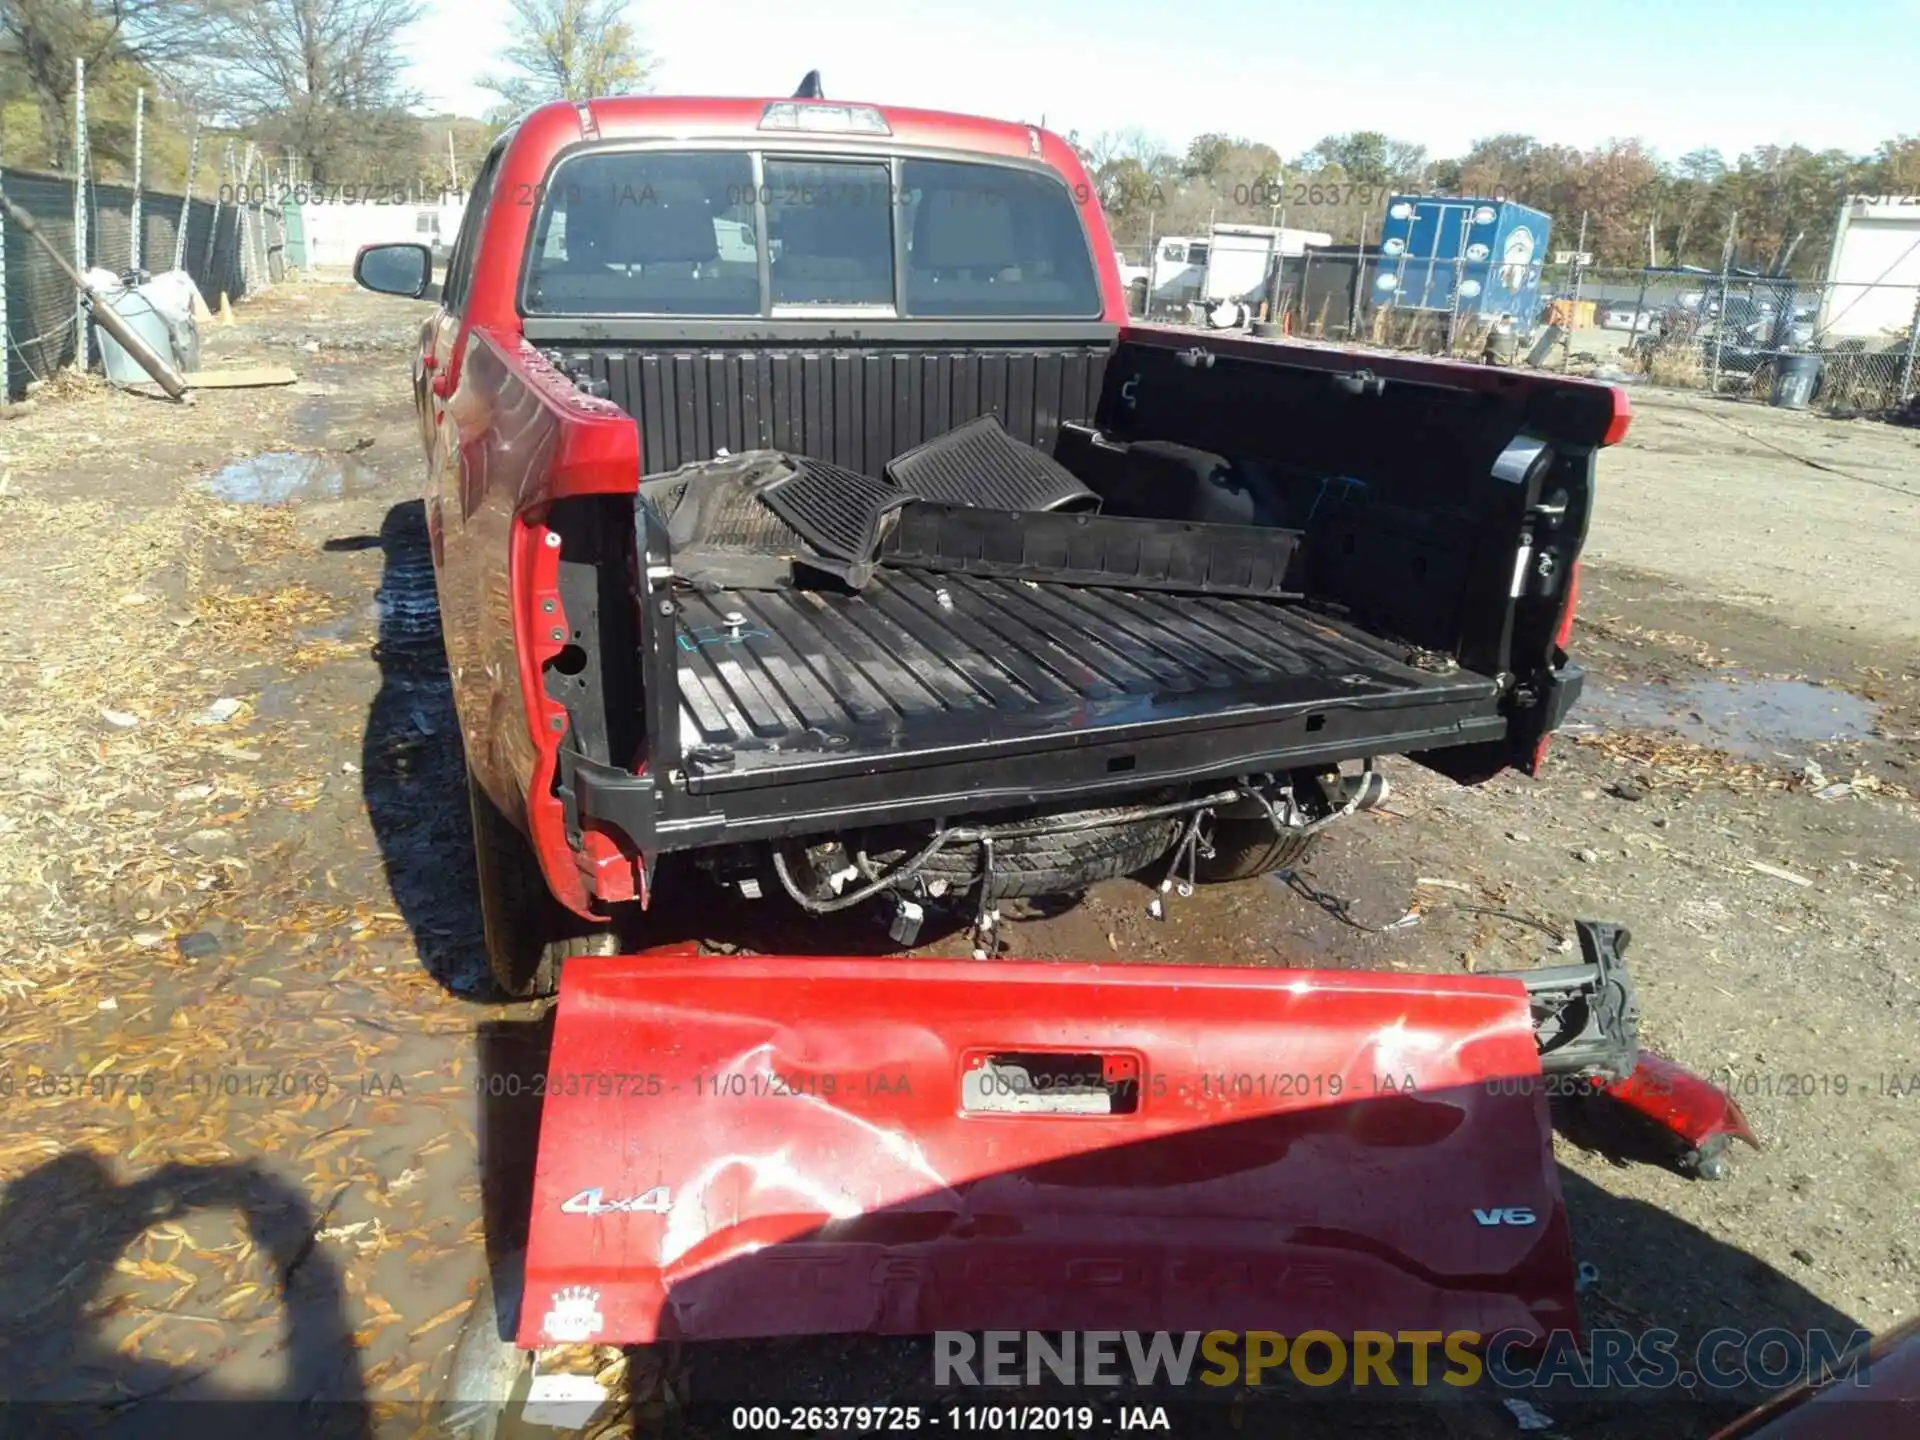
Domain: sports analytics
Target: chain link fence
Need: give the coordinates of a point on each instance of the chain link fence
(231, 250)
(1844, 347)
(1852, 347)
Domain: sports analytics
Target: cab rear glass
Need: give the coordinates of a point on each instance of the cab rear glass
(731, 233)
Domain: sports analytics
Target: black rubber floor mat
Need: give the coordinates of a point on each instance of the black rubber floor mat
(838, 511)
(722, 533)
(717, 505)
(980, 464)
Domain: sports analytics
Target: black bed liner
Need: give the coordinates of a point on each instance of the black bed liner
(776, 713)
(775, 684)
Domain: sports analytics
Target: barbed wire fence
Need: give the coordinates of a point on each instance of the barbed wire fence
(231, 244)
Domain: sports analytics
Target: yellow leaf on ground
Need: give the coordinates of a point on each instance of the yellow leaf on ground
(452, 1312)
(130, 1342)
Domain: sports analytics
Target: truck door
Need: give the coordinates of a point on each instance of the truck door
(443, 343)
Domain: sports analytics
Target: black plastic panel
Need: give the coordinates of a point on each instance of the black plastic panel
(854, 406)
(1102, 550)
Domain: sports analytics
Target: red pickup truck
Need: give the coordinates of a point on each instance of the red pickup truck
(803, 502)
(805, 508)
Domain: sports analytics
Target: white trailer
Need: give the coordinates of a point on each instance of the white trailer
(1873, 279)
(1225, 270)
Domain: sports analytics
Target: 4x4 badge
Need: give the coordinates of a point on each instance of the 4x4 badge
(656, 1201)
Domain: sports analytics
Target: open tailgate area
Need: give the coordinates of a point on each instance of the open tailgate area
(920, 668)
(780, 1146)
(1301, 558)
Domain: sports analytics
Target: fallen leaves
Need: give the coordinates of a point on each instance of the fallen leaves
(1674, 764)
(446, 1316)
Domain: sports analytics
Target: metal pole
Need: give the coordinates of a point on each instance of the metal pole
(1400, 272)
(1726, 266)
(81, 349)
(6, 343)
(186, 201)
(257, 226)
(243, 234)
(1360, 270)
(213, 231)
(260, 226)
(1579, 249)
(1913, 353)
(1459, 274)
(1639, 310)
(139, 139)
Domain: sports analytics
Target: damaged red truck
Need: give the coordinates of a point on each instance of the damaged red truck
(805, 508)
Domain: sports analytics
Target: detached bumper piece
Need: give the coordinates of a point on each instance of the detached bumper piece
(1588, 1019)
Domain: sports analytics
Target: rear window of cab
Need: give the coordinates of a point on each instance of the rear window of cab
(712, 234)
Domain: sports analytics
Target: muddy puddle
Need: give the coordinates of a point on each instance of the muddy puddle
(283, 475)
(1760, 719)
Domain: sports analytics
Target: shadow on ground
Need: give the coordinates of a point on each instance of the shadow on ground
(411, 768)
(64, 1229)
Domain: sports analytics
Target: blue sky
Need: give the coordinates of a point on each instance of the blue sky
(1679, 74)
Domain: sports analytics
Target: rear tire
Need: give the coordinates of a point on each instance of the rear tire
(529, 933)
(1243, 849)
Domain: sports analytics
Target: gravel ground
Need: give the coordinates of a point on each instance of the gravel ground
(255, 919)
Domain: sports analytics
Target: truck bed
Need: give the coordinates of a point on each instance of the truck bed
(780, 686)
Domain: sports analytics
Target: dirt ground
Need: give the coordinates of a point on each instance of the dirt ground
(242, 1011)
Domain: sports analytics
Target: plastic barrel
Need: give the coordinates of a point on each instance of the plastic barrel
(1794, 377)
(146, 322)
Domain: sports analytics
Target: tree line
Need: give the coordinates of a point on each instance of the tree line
(319, 86)
(1776, 204)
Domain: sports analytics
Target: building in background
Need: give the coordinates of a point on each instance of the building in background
(1873, 279)
(332, 232)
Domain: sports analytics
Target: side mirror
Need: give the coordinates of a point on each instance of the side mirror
(394, 269)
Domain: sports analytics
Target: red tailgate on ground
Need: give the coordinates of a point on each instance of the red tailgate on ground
(783, 1146)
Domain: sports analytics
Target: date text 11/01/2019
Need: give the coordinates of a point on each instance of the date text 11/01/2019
(866, 1419)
